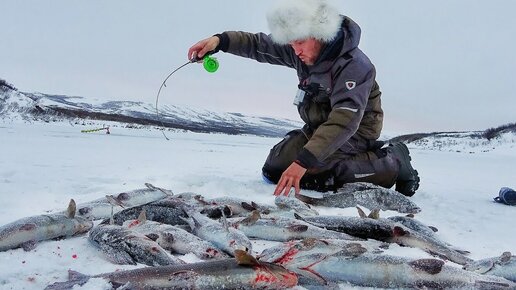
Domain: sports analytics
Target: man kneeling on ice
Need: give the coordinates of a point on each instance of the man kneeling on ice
(338, 99)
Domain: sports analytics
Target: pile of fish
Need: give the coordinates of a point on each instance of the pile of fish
(154, 227)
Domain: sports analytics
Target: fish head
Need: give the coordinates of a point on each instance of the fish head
(82, 225)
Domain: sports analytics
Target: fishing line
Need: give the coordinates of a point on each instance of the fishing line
(210, 64)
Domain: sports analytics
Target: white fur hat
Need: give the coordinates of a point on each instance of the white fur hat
(291, 20)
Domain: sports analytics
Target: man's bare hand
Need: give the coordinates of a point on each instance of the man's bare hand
(202, 47)
(290, 178)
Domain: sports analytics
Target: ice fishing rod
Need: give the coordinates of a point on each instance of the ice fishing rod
(210, 64)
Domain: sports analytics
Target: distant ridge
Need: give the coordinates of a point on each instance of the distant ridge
(49, 108)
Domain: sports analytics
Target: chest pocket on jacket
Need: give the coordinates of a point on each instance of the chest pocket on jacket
(316, 106)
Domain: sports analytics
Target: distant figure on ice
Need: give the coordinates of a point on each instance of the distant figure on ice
(338, 99)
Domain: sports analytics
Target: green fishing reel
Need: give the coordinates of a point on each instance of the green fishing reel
(210, 64)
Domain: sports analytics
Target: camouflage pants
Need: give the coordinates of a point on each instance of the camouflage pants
(362, 162)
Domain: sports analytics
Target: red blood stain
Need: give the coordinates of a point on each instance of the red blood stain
(154, 249)
(289, 256)
(133, 223)
(74, 256)
(266, 275)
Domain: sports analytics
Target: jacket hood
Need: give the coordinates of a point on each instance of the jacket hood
(346, 40)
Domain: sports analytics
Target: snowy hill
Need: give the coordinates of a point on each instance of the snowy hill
(503, 137)
(50, 108)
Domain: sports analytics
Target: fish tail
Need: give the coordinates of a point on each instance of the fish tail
(74, 278)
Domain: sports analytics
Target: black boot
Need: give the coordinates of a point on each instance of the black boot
(408, 178)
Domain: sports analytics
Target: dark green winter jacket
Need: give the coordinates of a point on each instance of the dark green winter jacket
(342, 110)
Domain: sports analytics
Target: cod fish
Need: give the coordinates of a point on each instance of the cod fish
(362, 193)
(28, 231)
(502, 266)
(123, 246)
(356, 265)
(388, 231)
(282, 229)
(221, 235)
(243, 272)
(102, 208)
(175, 239)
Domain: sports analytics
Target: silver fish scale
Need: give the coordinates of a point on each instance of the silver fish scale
(39, 228)
(501, 266)
(294, 204)
(220, 274)
(389, 231)
(414, 224)
(101, 208)
(178, 240)
(123, 246)
(372, 270)
(365, 194)
(284, 229)
(227, 239)
(168, 211)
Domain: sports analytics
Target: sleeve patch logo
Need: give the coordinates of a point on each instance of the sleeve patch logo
(351, 85)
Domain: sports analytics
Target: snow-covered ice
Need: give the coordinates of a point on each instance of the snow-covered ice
(43, 165)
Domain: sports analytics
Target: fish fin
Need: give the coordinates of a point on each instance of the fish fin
(115, 201)
(117, 256)
(245, 259)
(251, 219)
(434, 229)
(430, 266)
(351, 250)
(261, 209)
(398, 231)
(481, 284)
(26, 227)
(355, 249)
(227, 210)
(299, 217)
(165, 191)
(142, 218)
(74, 278)
(189, 221)
(200, 199)
(310, 243)
(505, 258)
(374, 214)
(29, 245)
(154, 237)
(297, 228)
(126, 286)
(224, 222)
(168, 237)
(361, 213)
(72, 207)
(461, 251)
(74, 275)
(247, 206)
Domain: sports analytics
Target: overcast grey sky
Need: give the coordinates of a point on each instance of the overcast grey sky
(442, 65)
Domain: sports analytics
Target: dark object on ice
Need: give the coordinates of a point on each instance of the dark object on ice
(507, 195)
